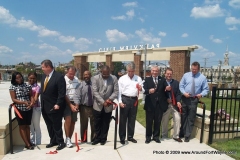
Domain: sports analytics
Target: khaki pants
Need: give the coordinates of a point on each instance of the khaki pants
(176, 122)
(85, 113)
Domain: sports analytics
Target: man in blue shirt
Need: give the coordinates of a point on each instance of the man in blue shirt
(193, 86)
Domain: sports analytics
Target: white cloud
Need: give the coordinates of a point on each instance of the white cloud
(6, 17)
(22, 23)
(203, 52)
(130, 4)
(5, 49)
(66, 39)
(184, 35)
(47, 32)
(141, 19)
(115, 36)
(209, 11)
(119, 17)
(50, 50)
(82, 43)
(212, 1)
(234, 3)
(233, 28)
(20, 39)
(232, 21)
(147, 37)
(130, 14)
(163, 34)
(215, 40)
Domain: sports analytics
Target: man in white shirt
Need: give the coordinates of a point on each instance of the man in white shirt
(129, 87)
(72, 104)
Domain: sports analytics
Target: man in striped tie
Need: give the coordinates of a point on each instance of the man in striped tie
(193, 86)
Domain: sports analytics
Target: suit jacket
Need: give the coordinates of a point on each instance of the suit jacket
(54, 93)
(159, 95)
(102, 92)
(176, 92)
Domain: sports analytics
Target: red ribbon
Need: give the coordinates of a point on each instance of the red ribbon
(174, 103)
(76, 142)
(136, 103)
(173, 98)
(112, 103)
(16, 111)
(52, 152)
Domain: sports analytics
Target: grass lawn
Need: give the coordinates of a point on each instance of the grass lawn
(231, 145)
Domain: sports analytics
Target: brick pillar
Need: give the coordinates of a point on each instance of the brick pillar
(80, 62)
(180, 63)
(138, 65)
(109, 63)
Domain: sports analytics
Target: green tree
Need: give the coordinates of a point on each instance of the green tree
(118, 66)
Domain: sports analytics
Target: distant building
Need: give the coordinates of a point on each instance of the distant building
(222, 72)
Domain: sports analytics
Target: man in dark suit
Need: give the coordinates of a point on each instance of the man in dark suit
(53, 93)
(155, 103)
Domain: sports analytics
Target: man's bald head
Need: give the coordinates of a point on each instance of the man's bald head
(87, 76)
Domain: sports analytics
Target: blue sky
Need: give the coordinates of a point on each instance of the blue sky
(55, 29)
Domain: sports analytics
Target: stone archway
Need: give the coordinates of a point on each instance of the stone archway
(179, 58)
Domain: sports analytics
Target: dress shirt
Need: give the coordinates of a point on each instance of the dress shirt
(201, 85)
(127, 86)
(50, 75)
(82, 91)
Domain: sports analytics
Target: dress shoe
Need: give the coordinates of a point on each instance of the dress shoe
(122, 141)
(187, 139)
(181, 136)
(29, 147)
(132, 140)
(148, 141)
(51, 145)
(60, 146)
(95, 142)
(177, 139)
(103, 143)
(157, 140)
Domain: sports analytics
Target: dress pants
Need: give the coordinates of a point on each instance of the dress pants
(189, 109)
(101, 124)
(153, 122)
(85, 113)
(35, 134)
(176, 122)
(127, 118)
(54, 126)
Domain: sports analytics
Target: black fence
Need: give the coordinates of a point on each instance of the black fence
(225, 115)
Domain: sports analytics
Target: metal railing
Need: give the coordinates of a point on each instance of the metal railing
(225, 114)
(10, 127)
(203, 106)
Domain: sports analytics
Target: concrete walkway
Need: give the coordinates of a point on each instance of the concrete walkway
(167, 149)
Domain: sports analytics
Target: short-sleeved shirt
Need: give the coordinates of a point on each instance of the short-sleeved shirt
(36, 89)
(71, 86)
(22, 92)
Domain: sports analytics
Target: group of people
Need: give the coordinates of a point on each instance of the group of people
(63, 96)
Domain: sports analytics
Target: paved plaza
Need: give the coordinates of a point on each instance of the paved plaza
(167, 149)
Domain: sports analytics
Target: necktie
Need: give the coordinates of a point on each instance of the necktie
(45, 83)
(193, 86)
(156, 82)
(90, 101)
